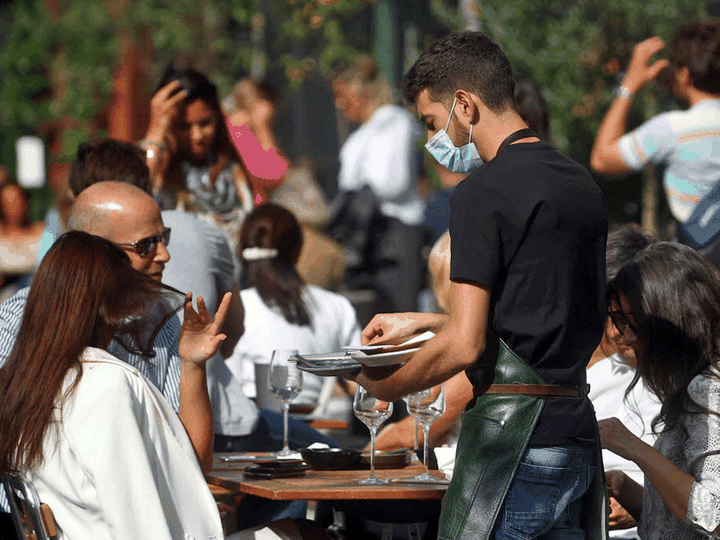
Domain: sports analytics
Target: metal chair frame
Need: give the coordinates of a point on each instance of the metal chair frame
(33, 520)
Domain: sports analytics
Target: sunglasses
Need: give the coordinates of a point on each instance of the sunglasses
(621, 322)
(147, 245)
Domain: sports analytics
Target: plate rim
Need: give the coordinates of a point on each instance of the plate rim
(382, 357)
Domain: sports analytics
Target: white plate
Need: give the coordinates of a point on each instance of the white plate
(323, 357)
(384, 359)
(422, 338)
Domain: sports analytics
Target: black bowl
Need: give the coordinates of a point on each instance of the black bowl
(330, 459)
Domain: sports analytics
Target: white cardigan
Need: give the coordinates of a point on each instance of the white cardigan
(120, 465)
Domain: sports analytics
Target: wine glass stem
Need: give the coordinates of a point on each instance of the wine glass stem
(286, 411)
(426, 433)
(415, 447)
(373, 430)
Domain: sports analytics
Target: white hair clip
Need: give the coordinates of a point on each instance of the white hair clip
(258, 254)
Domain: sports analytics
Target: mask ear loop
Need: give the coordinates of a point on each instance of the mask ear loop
(450, 115)
(470, 137)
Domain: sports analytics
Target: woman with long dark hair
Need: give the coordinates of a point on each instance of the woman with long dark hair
(665, 305)
(281, 311)
(193, 162)
(99, 443)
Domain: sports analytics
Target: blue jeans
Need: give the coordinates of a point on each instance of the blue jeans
(545, 497)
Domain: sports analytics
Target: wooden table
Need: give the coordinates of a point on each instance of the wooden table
(326, 485)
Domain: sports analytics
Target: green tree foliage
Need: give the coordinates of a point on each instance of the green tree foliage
(62, 65)
(575, 51)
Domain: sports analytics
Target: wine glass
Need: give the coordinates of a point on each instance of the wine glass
(406, 399)
(372, 412)
(427, 406)
(285, 381)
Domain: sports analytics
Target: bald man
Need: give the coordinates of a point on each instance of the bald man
(130, 218)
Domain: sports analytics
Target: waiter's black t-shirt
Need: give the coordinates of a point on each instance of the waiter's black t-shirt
(531, 224)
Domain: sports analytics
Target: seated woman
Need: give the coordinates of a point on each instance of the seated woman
(665, 305)
(99, 442)
(281, 311)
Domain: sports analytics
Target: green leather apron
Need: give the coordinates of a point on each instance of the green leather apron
(494, 436)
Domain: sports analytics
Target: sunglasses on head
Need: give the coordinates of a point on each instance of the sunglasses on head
(147, 245)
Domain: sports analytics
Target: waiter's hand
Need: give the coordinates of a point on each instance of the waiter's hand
(390, 329)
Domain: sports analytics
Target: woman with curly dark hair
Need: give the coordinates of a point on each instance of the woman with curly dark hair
(665, 305)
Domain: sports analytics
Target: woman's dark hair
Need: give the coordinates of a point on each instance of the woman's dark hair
(674, 299)
(200, 87)
(623, 244)
(270, 226)
(532, 107)
(84, 294)
(697, 47)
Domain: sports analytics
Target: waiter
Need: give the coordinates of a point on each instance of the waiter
(528, 228)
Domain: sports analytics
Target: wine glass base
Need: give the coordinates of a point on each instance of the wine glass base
(285, 453)
(372, 481)
(428, 478)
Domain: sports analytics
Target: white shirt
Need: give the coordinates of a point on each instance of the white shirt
(382, 153)
(608, 379)
(120, 464)
(334, 325)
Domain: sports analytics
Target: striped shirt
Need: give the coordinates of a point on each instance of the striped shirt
(687, 143)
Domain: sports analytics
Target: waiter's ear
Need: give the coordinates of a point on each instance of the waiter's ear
(468, 106)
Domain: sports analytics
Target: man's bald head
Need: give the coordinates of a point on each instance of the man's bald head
(123, 214)
(98, 206)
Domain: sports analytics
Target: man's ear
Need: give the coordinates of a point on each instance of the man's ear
(467, 106)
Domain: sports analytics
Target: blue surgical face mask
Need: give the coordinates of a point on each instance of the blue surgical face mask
(463, 159)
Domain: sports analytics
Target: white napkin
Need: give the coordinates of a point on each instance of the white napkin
(445, 456)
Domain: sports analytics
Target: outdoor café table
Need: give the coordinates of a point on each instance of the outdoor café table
(326, 485)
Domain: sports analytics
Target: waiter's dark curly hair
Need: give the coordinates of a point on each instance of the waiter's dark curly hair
(462, 60)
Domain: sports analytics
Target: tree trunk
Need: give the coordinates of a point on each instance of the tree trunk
(650, 204)
(470, 13)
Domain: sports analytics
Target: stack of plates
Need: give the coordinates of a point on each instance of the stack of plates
(388, 355)
(353, 358)
(328, 364)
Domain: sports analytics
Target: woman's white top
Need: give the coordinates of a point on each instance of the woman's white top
(119, 464)
(334, 325)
